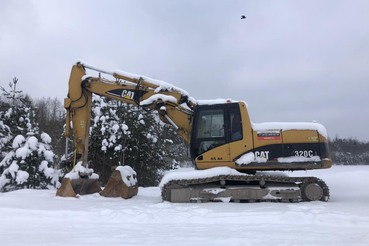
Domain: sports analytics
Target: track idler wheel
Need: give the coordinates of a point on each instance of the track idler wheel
(312, 191)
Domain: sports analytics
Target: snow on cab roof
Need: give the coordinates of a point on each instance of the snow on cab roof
(215, 101)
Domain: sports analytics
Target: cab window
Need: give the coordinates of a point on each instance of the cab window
(236, 124)
(211, 124)
(210, 132)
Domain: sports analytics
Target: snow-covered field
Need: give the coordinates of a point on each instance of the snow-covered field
(37, 217)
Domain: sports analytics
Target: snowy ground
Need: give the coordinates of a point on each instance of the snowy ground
(37, 217)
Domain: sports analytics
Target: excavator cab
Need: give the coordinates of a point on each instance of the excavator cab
(223, 135)
(216, 126)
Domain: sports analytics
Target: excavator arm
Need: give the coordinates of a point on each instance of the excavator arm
(173, 104)
(129, 88)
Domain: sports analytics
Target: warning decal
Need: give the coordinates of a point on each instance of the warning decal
(269, 135)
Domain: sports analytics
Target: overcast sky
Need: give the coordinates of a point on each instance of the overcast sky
(289, 60)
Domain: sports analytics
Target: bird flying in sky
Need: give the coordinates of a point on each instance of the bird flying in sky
(243, 17)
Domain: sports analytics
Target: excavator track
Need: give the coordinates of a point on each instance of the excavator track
(246, 188)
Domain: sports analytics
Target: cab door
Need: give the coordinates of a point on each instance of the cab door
(209, 144)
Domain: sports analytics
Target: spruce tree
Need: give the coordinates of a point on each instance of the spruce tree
(5, 133)
(125, 134)
(146, 151)
(106, 134)
(28, 153)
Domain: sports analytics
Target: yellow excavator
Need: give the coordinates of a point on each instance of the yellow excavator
(234, 157)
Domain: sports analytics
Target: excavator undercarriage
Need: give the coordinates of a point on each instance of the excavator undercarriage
(246, 188)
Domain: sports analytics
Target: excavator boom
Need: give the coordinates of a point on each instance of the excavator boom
(129, 88)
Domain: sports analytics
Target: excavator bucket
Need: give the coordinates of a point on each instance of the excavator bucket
(81, 186)
(122, 183)
(80, 180)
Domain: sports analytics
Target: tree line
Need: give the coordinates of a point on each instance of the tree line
(32, 142)
(349, 151)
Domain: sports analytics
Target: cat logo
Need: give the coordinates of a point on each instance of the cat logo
(128, 94)
(262, 154)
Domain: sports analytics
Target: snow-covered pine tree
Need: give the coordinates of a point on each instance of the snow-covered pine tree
(5, 136)
(50, 117)
(106, 133)
(147, 153)
(97, 142)
(121, 131)
(28, 164)
(124, 134)
(5, 133)
(28, 153)
(177, 147)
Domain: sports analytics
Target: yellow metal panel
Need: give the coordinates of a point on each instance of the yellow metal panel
(322, 139)
(239, 147)
(300, 136)
(67, 102)
(218, 154)
(207, 165)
